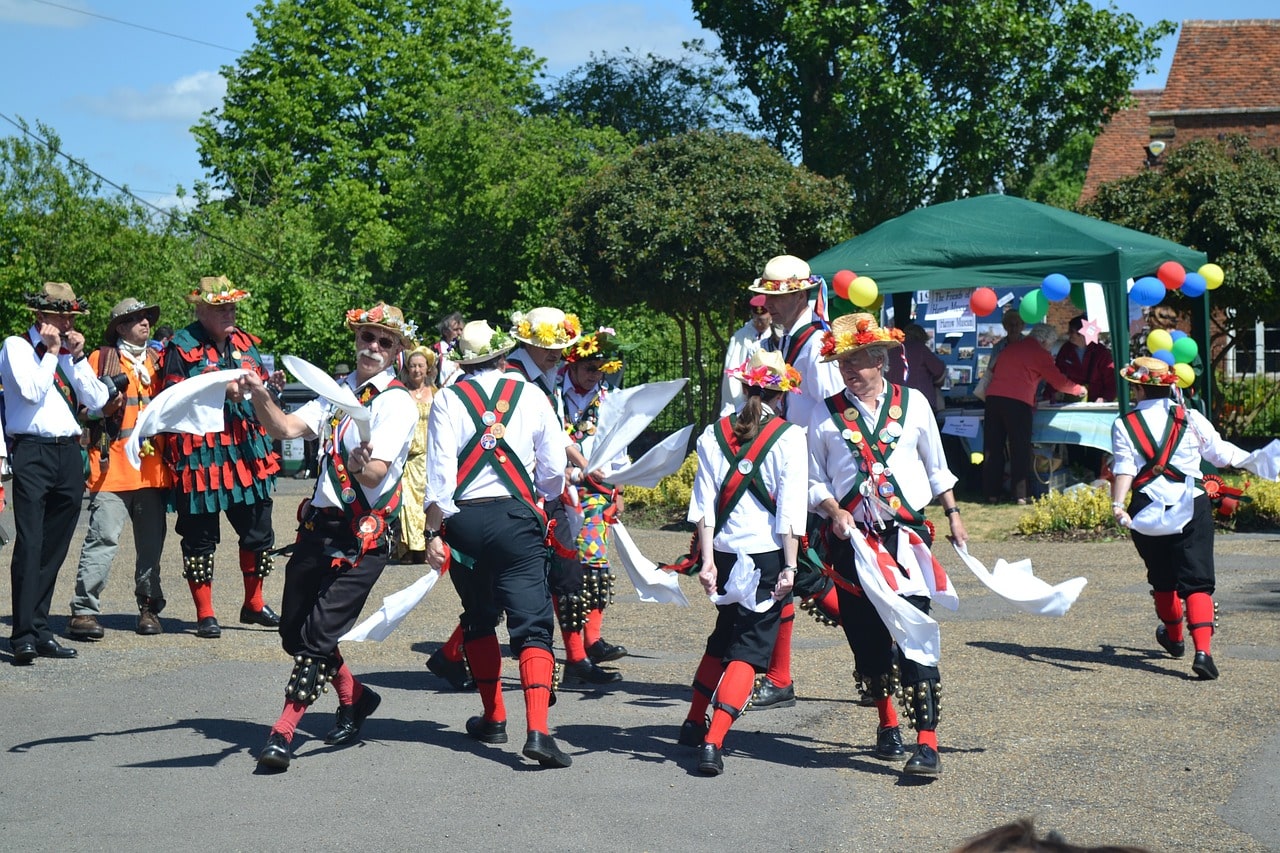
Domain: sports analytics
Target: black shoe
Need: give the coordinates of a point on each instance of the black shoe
(586, 672)
(1202, 666)
(52, 649)
(1175, 648)
(24, 654)
(542, 749)
(769, 695)
(275, 754)
(350, 717)
(453, 671)
(709, 761)
(266, 617)
(692, 734)
(487, 731)
(889, 743)
(208, 628)
(924, 763)
(603, 652)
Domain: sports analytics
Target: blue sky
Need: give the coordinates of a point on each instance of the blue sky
(123, 96)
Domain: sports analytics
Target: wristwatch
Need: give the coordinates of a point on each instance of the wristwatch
(431, 534)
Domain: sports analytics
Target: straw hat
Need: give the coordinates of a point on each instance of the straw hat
(766, 370)
(216, 290)
(386, 317)
(480, 342)
(56, 297)
(785, 274)
(1145, 370)
(549, 328)
(602, 345)
(852, 333)
(123, 310)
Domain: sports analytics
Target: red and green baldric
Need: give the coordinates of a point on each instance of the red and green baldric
(744, 467)
(368, 523)
(872, 445)
(1156, 453)
(488, 448)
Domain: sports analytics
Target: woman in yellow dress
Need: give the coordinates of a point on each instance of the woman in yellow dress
(419, 377)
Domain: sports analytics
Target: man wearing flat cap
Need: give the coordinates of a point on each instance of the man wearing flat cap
(46, 380)
(232, 472)
(120, 492)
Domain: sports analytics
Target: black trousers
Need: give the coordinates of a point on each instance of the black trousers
(321, 602)
(1006, 421)
(1181, 562)
(742, 634)
(505, 538)
(48, 489)
(201, 531)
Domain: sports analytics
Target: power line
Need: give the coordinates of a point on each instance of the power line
(135, 26)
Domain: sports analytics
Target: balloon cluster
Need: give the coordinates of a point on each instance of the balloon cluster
(861, 290)
(1177, 350)
(1150, 290)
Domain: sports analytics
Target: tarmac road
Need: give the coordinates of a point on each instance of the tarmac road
(1079, 722)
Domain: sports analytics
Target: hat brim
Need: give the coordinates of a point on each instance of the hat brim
(36, 309)
(217, 298)
(151, 312)
(836, 356)
(488, 356)
(563, 346)
(405, 341)
(758, 288)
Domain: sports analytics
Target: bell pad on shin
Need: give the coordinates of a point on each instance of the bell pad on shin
(198, 569)
(310, 677)
(922, 704)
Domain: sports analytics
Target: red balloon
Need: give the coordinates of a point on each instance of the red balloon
(1171, 275)
(840, 282)
(983, 301)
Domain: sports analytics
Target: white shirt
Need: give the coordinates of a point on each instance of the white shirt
(542, 381)
(818, 380)
(394, 415)
(1199, 439)
(744, 342)
(750, 528)
(574, 404)
(917, 462)
(532, 432)
(33, 406)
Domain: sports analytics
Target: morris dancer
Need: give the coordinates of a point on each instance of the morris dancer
(348, 526)
(876, 461)
(749, 498)
(231, 472)
(583, 590)
(494, 449)
(1157, 447)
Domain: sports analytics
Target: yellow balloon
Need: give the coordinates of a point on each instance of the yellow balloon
(1213, 275)
(863, 291)
(1159, 339)
(1186, 376)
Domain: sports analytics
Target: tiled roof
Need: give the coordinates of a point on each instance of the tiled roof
(1223, 66)
(1118, 150)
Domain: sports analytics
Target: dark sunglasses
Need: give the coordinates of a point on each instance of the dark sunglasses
(370, 337)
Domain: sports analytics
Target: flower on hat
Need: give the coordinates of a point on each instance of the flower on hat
(786, 285)
(382, 315)
(598, 344)
(766, 370)
(1148, 371)
(544, 333)
(853, 332)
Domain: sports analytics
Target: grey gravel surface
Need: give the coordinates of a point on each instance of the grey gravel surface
(1079, 722)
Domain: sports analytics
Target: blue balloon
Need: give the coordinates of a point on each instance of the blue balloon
(1163, 354)
(1194, 285)
(1147, 291)
(1056, 286)
(1177, 335)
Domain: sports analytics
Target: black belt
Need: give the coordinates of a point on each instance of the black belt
(483, 501)
(46, 439)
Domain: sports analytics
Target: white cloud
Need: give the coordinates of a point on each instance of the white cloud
(183, 100)
(40, 15)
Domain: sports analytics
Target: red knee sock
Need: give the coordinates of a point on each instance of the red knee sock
(710, 670)
(346, 685)
(735, 689)
(575, 649)
(595, 621)
(1200, 620)
(452, 648)
(1169, 611)
(289, 717)
(485, 658)
(780, 661)
(536, 668)
(927, 737)
(829, 604)
(202, 595)
(888, 714)
(252, 582)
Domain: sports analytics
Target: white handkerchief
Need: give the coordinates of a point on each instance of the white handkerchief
(380, 624)
(1015, 583)
(663, 459)
(1265, 461)
(651, 583)
(1170, 509)
(193, 406)
(741, 586)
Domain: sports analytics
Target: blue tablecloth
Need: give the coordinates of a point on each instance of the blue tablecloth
(1085, 424)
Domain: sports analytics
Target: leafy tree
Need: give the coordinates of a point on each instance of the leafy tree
(1060, 179)
(652, 97)
(1220, 198)
(682, 225)
(915, 102)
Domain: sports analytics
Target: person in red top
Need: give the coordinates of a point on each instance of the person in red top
(1091, 365)
(119, 491)
(1010, 405)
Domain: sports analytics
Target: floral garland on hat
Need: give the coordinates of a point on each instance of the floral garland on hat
(378, 315)
(597, 344)
(547, 335)
(848, 334)
(787, 285)
(1148, 371)
(764, 376)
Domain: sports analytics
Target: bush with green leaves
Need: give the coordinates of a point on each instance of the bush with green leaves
(1262, 510)
(1080, 509)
